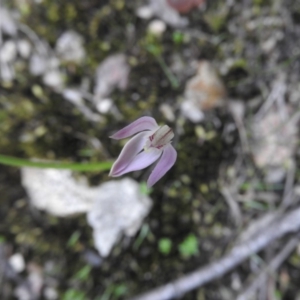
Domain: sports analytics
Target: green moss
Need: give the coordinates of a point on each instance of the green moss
(216, 21)
(70, 12)
(53, 12)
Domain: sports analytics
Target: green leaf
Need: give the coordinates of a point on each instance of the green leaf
(73, 238)
(178, 37)
(189, 246)
(72, 294)
(165, 245)
(143, 234)
(83, 273)
(120, 290)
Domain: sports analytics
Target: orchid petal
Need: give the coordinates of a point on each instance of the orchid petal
(166, 162)
(141, 161)
(130, 150)
(141, 124)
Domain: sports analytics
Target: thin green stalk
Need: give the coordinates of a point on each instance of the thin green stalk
(173, 80)
(20, 162)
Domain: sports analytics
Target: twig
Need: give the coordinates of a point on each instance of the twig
(1, 38)
(233, 206)
(289, 222)
(2, 261)
(288, 193)
(274, 265)
(276, 95)
(42, 48)
(239, 122)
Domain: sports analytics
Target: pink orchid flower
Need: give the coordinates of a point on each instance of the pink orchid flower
(150, 143)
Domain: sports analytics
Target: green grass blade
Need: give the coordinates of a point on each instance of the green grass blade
(20, 162)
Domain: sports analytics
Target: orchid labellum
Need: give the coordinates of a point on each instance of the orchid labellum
(149, 143)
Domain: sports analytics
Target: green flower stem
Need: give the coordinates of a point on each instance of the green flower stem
(20, 162)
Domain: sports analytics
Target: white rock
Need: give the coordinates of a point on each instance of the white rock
(114, 208)
(112, 72)
(7, 72)
(274, 139)
(191, 111)
(144, 12)
(53, 78)
(24, 48)
(50, 293)
(22, 292)
(104, 105)
(203, 92)
(31, 288)
(7, 23)
(120, 209)
(157, 27)
(69, 47)
(8, 52)
(166, 13)
(38, 64)
(17, 262)
(53, 62)
(167, 111)
(73, 96)
(57, 192)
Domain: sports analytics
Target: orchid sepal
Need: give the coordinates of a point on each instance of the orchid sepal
(141, 124)
(165, 163)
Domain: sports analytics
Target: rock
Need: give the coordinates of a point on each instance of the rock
(53, 78)
(7, 72)
(57, 192)
(113, 208)
(7, 22)
(92, 258)
(112, 73)
(157, 27)
(203, 92)
(8, 52)
(169, 15)
(31, 288)
(144, 12)
(119, 209)
(191, 111)
(17, 262)
(24, 48)
(50, 293)
(73, 95)
(69, 47)
(104, 105)
(274, 140)
(38, 64)
(167, 111)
